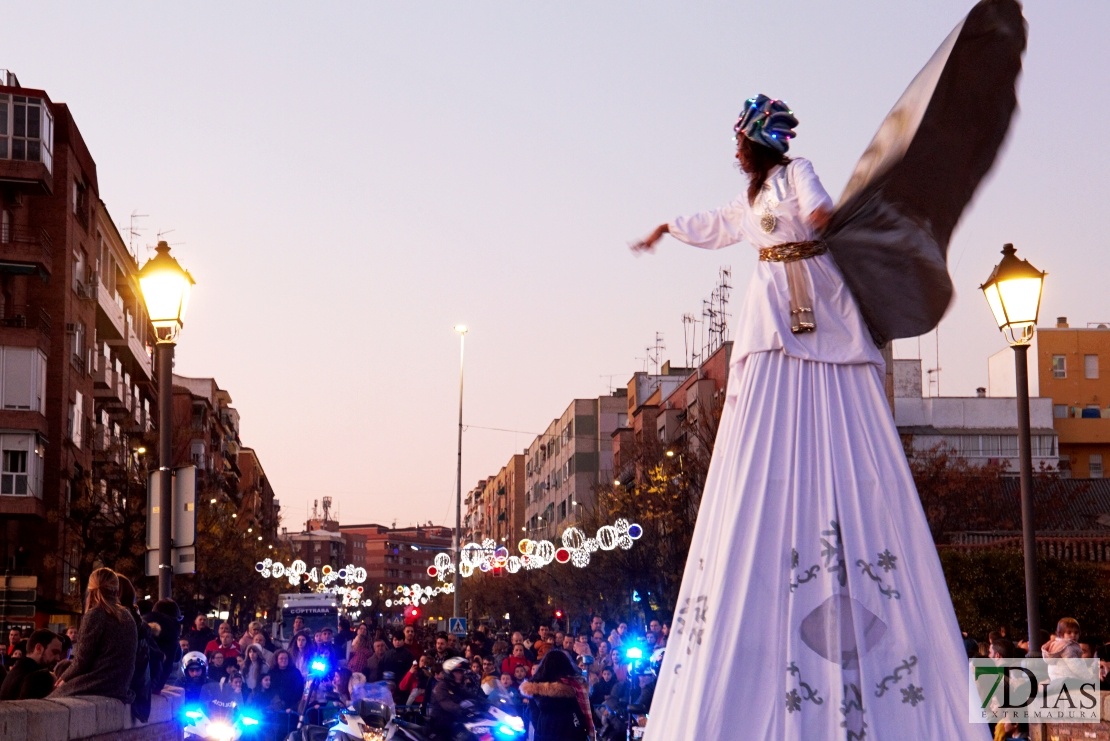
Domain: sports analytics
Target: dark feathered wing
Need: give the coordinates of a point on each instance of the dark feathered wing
(889, 234)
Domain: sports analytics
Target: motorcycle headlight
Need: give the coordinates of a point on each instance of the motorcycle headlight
(221, 731)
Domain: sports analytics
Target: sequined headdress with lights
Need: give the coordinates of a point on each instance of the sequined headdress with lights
(767, 122)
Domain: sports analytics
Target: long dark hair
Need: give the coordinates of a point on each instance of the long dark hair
(555, 666)
(760, 160)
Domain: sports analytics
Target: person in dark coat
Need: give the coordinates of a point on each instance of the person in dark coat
(107, 640)
(148, 656)
(30, 678)
(167, 616)
(559, 703)
(286, 680)
(200, 635)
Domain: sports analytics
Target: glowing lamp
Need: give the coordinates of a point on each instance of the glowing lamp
(165, 286)
(1013, 292)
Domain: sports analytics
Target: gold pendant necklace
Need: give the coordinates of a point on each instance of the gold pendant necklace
(767, 222)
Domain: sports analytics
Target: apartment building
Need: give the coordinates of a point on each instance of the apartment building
(396, 556)
(1066, 365)
(495, 506)
(75, 395)
(563, 465)
(676, 408)
(980, 429)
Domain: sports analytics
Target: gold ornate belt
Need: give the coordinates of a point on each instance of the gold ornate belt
(797, 279)
(791, 251)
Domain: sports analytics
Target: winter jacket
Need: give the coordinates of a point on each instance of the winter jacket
(559, 710)
(288, 684)
(105, 656)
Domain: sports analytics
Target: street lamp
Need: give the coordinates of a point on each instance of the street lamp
(1013, 292)
(461, 330)
(165, 287)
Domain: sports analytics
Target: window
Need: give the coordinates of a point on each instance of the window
(1096, 465)
(22, 379)
(1090, 366)
(77, 418)
(78, 345)
(1060, 411)
(81, 205)
(13, 478)
(26, 130)
(196, 452)
(1059, 366)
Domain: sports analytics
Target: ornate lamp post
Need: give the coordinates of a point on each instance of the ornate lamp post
(165, 286)
(1013, 292)
(461, 329)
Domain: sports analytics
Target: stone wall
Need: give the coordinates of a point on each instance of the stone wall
(1076, 731)
(97, 718)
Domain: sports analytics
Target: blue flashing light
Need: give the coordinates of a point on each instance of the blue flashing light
(318, 667)
(249, 721)
(507, 731)
(193, 714)
(634, 652)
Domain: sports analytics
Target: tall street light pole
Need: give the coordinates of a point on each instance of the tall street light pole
(1013, 291)
(165, 287)
(461, 329)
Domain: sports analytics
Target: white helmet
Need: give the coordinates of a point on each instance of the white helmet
(454, 663)
(191, 659)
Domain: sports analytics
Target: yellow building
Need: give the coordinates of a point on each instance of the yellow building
(1071, 366)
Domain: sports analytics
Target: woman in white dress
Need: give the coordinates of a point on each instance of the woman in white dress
(813, 605)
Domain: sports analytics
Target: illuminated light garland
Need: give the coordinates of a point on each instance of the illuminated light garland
(535, 554)
(344, 583)
(298, 571)
(418, 594)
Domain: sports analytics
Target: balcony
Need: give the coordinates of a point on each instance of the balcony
(104, 378)
(25, 250)
(101, 438)
(1083, 430)
(109, 390)
(134, 341)
(21, 318)
(112, 312)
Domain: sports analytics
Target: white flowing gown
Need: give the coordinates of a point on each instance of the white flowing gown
(813, 606)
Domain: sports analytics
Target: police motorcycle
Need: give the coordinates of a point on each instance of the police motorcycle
(203, 725)
(627, 720)
(481, 723)
(317, 713)
(204, 715)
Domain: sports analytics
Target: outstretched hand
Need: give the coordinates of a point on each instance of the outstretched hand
(647, 244)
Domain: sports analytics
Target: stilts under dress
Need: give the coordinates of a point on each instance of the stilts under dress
(813, 605)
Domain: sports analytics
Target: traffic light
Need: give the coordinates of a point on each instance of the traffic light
(558, 614)
(412, 614)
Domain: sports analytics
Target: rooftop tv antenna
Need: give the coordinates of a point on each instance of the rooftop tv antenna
(327, 508)
(134, 231)
(609, 377)
(655, 352)
(689, 334)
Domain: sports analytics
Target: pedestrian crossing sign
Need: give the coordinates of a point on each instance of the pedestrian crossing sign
(456, 626)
